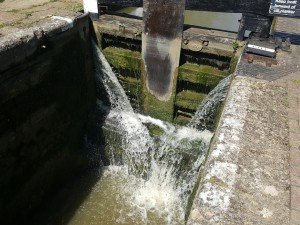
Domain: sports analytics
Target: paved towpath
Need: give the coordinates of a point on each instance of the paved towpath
(20, 14)
(253, 171)
(293, 89)
(291, 28)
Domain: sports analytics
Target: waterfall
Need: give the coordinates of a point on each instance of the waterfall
(136, 141)
(155, 175)
(106, 77)
(207, 110)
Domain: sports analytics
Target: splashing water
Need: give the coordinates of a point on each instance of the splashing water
(155, 176)
(206, 111)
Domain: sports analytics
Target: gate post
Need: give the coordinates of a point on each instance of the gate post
(91, 7)
(161, 46)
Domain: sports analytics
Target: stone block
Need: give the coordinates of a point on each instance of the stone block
(294, 126)
(295, 170)
(295, 198)
(295, 180)
(295, 217)
(295, 158)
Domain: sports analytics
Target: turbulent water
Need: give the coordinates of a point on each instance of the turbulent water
(207, 110)
(150, 180)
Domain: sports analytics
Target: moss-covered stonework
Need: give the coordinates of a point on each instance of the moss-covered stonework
(153, 107)
(127, 65)
(198, 75)
(156, 108)
(123, 58)
(189, 99)
(182, 120)
(131, 85)
(194, 82)
(154, 130)
(201, 74)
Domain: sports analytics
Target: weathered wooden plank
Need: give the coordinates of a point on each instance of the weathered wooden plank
(161, 44)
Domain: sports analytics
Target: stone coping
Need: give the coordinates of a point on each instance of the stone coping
(246, 179)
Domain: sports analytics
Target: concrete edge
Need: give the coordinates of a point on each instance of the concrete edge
(213, 197)
(18, 46)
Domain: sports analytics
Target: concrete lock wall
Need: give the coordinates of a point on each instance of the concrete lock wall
(46, 92)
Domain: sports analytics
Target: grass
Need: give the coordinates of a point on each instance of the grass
(235, 45)
(13, 10)
(285, 103)
(77, 7)
(216, 181)
(28, 14)
(2, 25)
(296, 82)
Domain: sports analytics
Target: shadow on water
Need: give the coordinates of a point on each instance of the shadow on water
(60, 207)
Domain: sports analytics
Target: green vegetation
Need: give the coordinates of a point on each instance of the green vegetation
(235, 45)
(152, 106)
(126, 61)
(181, 120)
(233, 64)
(28, 14)
(13, 10)
(189, 99)
(201, 74)
(123, 58)
(285, 103)
(216, 181)
(16, 23)
(162, 110)
(2, 25)
(155, 130)
(296, 82)
(52, 0)
(130, 85)
(77, 7)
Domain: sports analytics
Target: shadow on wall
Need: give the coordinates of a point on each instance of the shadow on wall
(60, 208)
(44, 106)
(293, 38)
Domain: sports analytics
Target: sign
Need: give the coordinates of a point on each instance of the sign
(285, 8)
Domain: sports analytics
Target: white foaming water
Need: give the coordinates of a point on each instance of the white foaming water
(207, 109)
(157, 175)
(106, 76)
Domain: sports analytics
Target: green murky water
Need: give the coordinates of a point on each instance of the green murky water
(215, 20)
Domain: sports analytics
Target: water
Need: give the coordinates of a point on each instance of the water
(152, 181)
(215, 20)
(207, 110)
